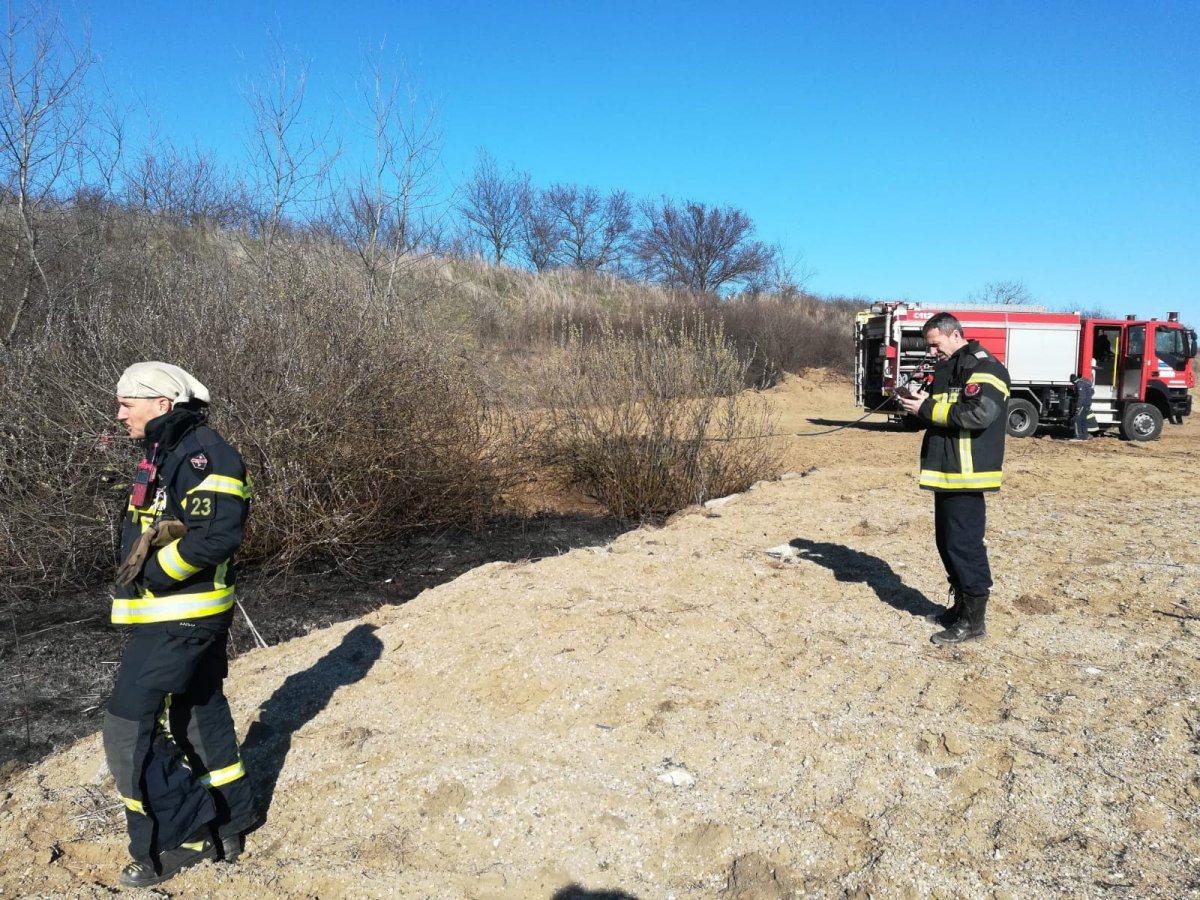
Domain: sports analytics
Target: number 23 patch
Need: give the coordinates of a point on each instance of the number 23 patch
(198, 507)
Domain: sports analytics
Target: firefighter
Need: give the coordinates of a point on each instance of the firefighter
(1081, 418)
(962, 456)
(168, 732)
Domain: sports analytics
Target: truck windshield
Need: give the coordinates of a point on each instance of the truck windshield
(1169, 347)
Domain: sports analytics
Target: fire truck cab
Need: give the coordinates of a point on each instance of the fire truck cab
(1142, 368)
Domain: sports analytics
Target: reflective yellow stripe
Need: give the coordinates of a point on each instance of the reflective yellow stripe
(222, 484)
(219, 577)
(224, 776)
(941, 411)
(984, 378)
(146, 516)
(143, 518)
(966, 461)
(171, 608)
(174, 564)
(133, 805)
(972, 481)
(195, 845)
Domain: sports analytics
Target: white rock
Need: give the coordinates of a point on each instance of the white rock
(783, 551)
(677, 776)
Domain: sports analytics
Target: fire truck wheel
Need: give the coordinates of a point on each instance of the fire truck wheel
(1141, 422)
(1022, 418)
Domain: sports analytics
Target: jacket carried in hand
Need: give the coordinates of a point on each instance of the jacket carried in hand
(966, 417)
(201, 481)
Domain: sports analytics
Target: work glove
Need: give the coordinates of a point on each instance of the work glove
(158, 535)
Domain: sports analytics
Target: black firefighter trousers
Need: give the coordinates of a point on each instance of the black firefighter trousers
(170, 741)
(959, 521)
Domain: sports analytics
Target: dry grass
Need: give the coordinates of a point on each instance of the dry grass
(357, 420)
(365, 413)
(651, 419)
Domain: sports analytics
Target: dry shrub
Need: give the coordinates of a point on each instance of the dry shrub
(775, 334)
(356, 420)
(60, 474)
(366, 440)
(649, 420)
(790, 334)
(364, 414)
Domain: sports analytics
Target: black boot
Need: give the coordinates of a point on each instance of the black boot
(232, 846)
(170, 862)
(232, 836)
(970, 625)
(947, 617)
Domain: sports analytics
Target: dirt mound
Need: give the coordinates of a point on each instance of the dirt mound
(680, 713)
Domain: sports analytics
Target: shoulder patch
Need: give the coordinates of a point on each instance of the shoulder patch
(972, 389)
(199, 462)
(981, 353)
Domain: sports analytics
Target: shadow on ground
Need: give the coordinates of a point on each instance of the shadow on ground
(577, 892)
(859, 424)
(57, 665)
(851, 565)
(297, 701)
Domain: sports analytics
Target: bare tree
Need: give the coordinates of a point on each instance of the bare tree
(290, 159)
(44, 113)
(786, 276)
(104, 151)
(700, 247)
(594, 229)
(186, 186)
(1003, 293)
(541, 233)
(384, 212)
(490, 206)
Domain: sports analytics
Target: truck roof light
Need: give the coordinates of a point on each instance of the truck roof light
(1172, 317)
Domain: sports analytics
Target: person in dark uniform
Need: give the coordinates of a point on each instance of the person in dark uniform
(1102, 359)
(168, 733)
(962, 457)
(1081, 413)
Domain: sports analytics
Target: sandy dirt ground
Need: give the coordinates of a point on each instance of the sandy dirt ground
(680, 714)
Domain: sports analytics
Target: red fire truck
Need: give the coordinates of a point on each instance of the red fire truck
(1142, 368)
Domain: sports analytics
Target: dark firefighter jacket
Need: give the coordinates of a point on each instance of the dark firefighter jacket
(201, 481)
(966, 416)
(1083, 393)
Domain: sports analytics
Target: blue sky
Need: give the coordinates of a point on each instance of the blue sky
(906, 149)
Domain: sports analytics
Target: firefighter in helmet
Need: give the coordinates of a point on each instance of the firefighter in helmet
(962, 456)
(168, 733)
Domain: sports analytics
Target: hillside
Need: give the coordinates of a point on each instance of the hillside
(680, 714)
